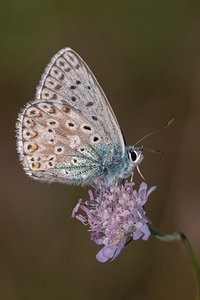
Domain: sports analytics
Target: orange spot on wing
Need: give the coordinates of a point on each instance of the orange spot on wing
(38, 114)
(36, 166)
(33, 148)
(51, 110)
(33, 134)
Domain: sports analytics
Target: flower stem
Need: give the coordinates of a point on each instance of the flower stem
(177, 236)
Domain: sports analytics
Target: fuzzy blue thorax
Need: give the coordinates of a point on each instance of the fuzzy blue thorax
(121, 169)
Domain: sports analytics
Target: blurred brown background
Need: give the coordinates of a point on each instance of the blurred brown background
(146, 56)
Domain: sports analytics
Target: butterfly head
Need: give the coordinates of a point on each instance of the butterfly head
(132, 158)
(135, 155)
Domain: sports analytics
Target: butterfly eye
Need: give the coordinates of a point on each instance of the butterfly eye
(133, 155)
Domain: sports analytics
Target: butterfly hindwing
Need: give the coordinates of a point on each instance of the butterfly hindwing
(58, 143)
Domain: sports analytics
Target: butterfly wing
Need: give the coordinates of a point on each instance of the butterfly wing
(58, 143)
(69, 133)
(67, 78)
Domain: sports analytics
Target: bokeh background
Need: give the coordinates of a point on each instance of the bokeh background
(146, 56)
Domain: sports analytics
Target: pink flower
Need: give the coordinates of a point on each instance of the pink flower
(115, 215)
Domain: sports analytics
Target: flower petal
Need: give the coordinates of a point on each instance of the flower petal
(151, 190)
(105, 253)
(76, 208)
(91, 195)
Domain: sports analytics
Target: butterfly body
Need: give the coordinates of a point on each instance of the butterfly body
(119, 169)
(69, 133)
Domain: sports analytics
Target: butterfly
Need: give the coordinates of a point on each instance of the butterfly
(69, 132)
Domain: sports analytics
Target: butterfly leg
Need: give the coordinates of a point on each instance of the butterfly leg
(131, 177)
(116, 182)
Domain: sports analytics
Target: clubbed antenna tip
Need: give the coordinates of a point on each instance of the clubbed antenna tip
(154, 131)
(170, 122)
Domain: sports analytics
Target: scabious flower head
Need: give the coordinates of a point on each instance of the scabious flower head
(115, 215)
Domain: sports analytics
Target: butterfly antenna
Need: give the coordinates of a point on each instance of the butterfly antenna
(150, 150)
(154, 131)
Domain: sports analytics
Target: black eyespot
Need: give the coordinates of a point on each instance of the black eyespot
(133, 155)
(87, 127)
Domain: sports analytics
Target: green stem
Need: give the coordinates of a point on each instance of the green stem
(177, 236)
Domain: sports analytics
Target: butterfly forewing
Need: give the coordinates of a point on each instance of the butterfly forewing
(67, 78)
